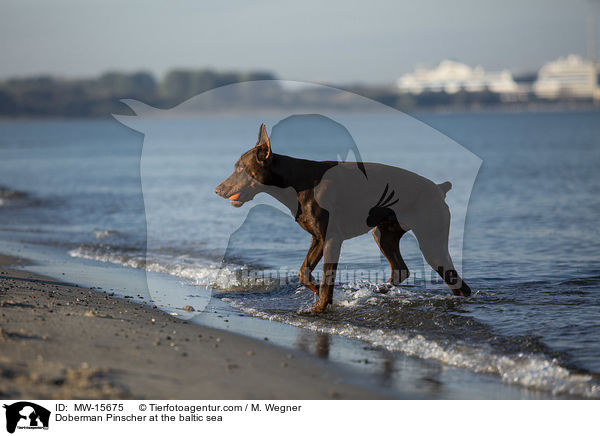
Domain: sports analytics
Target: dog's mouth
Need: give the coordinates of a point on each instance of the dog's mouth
(236, 199)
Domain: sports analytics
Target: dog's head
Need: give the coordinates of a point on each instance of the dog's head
(250, 174)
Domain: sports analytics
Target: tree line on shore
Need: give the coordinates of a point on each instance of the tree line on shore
(47, 96)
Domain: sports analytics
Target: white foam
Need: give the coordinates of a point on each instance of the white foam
(101, 234)
(532, 371)
(203, 274)
(128, 261)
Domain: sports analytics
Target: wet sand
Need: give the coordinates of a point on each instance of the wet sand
(59, 341)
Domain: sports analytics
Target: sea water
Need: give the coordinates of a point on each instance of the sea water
(530, 253)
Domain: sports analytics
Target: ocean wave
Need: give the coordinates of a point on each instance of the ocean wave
(103, 234)
(368, 303)
(94, 253)
(9, 196)
(202, 273)
(524, 369)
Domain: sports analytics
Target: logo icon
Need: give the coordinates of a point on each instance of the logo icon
(26, 415)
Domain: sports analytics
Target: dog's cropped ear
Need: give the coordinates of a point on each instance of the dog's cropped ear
(263, 145)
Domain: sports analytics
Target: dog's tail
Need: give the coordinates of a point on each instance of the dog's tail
(445, 187)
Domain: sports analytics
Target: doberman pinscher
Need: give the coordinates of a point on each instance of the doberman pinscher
(334, 201)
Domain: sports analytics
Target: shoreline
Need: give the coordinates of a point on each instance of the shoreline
(335, 360)
(62, 341)
(415, 112)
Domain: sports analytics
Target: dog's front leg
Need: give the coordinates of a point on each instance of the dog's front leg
(315, 253)
(331, 254)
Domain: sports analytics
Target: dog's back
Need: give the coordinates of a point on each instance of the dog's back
(350, 195)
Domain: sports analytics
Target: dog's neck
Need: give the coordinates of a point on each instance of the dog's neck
(291, 176)
(300, 174)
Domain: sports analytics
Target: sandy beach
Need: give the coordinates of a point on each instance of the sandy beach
(59, 341)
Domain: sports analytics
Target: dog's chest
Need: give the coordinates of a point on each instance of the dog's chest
(311, 217)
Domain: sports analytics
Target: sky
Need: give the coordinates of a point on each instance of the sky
(336, 41)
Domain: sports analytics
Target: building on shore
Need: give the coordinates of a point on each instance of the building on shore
(451, 77)
(567, 77)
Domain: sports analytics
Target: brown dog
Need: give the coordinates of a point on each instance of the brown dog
(335, 201)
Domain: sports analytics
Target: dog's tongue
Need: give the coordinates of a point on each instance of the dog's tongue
(234, 200)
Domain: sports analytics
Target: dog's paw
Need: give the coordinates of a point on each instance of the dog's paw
(384, 288)
(317, 308)
(313, 310)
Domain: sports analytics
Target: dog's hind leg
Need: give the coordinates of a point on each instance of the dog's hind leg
(314, 255)
(442, 264)
(387, 235)
(432, 235)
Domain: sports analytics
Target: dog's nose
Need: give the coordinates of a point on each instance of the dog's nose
(219, 191)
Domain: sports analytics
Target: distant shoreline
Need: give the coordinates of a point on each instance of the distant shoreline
(47, 97)
(442, 110)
